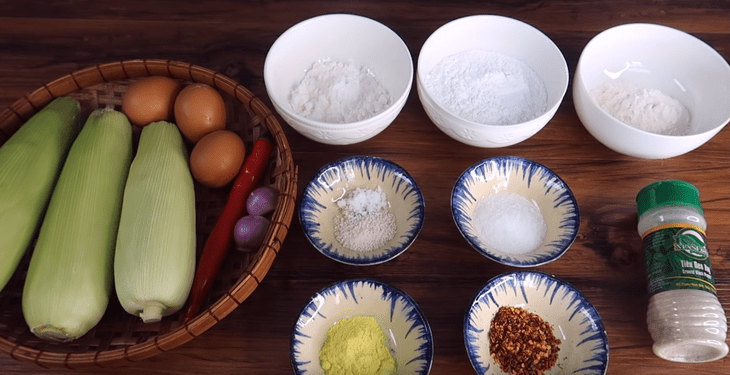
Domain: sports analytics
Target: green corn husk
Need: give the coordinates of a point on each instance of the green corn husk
(30, 162)
(154, 262)
(69, 278)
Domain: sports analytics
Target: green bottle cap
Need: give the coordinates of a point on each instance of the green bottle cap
(668, 193)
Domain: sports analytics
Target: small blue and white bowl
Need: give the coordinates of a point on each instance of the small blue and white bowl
(584, 346)
(318, 209)
(409, 335)
(541, 186)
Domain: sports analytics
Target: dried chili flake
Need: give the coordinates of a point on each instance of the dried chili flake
(522, 343)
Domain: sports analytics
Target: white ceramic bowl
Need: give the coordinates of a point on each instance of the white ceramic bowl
(576, 323)
(655, 57)
(342, 38)
(318, 209)
(542, 188)
(498, 34)
(408, 331)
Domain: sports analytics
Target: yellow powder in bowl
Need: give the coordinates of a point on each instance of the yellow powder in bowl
(356, 346)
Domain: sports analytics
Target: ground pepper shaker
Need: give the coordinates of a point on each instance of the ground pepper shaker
(684, 316)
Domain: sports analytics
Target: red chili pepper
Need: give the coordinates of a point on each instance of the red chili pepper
(220, 238)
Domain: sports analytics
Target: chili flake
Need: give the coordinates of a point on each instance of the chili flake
(522, 343)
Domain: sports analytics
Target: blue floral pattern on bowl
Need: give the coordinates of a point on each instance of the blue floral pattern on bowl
(409, 334)
(584, 346)
(318, 208)
(535, 182)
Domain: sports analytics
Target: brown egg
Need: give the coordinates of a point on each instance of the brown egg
(199, 110)
(150, 99)
(217, 158)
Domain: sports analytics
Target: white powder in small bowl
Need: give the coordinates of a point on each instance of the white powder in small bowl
(366, 222)
(509, 223)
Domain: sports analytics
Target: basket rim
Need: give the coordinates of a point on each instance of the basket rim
(23, 108)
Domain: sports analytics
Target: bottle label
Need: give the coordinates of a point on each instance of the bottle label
(677, 258)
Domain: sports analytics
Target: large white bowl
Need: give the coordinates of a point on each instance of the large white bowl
(576, 323)
(409, 335)
(658, 57)
(339, 37)
(503, 35)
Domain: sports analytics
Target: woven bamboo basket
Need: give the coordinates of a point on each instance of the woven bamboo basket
(121, 337)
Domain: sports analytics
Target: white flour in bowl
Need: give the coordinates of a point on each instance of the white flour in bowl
(339, 92)
(647, 109)
(488, 88)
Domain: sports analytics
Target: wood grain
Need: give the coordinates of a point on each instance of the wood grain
(41, 41)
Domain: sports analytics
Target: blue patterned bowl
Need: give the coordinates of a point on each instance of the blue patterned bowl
(542, 188)
(318, 209)
(584, 343)
(409, 334)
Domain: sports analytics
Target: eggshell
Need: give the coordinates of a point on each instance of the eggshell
(217, 158)
(150, 99)
(262, 201)
(199, 110)
(250, 231)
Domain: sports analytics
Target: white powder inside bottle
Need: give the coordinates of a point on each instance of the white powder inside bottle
(365, 224)
(509, 223)
(339, 92)
(647, 109)
(488, 88)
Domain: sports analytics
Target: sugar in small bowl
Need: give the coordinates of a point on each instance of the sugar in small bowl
(362, 210)
(490, 81)
(651, 91)
(338, 79)
(515, 211)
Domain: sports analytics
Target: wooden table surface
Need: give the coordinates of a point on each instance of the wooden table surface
(41, 41)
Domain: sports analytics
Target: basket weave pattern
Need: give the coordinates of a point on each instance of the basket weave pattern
(121, 337)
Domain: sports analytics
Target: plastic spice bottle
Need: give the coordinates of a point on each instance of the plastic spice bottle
(684, 316)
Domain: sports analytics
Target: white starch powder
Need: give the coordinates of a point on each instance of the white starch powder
(488, 88)
(647, 109)
(509, 223)
(365, 224)
(339, 92)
